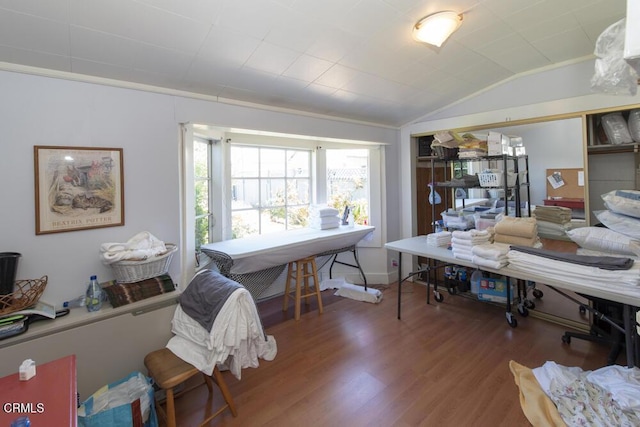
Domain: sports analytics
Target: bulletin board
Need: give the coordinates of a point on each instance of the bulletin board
(573, 187)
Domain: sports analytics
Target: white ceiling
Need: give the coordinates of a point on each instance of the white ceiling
(353, 59)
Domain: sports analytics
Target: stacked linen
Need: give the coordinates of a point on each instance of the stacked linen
(517, 231)
(492, 255)
(462, 242)
(553, 220)
(554, 214)
(441, 238)
(586, 272)
(323, 217)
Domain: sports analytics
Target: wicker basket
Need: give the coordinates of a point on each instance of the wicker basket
(129, 271)
(26, 294)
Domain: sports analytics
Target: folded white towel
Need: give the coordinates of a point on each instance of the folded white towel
(471, 234)
(323, 210)
(469, 243)
(491, 250)
(324, 223)
(462, 255)
(483, 262)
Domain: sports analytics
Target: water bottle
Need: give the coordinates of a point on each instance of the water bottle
(476, 277)
(21, 422)
(93, 299)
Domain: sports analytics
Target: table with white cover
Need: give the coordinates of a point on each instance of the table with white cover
(630, 299)
(256, 261)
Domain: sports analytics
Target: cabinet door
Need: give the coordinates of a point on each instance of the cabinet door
(424, 176)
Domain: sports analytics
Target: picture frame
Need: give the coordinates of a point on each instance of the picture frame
(78, 188)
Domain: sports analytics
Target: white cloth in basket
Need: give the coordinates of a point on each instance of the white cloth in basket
(141, 246)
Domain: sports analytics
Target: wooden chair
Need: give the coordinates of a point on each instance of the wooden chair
(168, 371)
(301, 271)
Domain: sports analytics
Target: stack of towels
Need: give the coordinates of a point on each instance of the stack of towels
(517, 231)
(493, 255)
(462, 242)
(441, 238)
(553, 220)
(322, 217)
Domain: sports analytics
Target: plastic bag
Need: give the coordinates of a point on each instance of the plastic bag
(634, 124)
(127, 402)
(612, 73)
(615, 127)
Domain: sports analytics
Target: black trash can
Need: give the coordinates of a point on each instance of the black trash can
(8, 270)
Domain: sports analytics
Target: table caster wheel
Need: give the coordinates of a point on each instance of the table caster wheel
(524, 312)
(513, 322)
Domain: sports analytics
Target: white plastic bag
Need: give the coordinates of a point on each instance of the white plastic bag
(615, 127)
(634, 124)
(612, 73)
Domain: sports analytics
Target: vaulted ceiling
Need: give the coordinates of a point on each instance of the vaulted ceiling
(353, 59)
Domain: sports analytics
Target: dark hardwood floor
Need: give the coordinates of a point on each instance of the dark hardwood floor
(356, 364)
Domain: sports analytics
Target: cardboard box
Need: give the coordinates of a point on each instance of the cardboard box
(497, 144)
(494, 290)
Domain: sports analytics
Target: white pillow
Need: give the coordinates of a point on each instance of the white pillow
(604, 240)
(625, 202)
(627, 225)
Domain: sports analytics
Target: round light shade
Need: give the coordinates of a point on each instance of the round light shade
(435, 29)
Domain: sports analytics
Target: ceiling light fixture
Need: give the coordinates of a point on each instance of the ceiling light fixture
(436, 28)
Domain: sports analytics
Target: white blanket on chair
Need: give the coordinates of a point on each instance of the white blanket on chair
(237, 338)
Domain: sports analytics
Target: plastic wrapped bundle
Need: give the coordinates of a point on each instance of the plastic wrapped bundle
(615, 127)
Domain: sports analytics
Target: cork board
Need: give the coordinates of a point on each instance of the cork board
(573, 187)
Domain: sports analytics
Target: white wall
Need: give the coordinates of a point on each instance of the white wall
(36, 110)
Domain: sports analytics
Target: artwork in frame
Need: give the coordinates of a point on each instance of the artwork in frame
(78, 188)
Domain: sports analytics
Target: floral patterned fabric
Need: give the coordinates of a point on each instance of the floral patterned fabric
(583, 403)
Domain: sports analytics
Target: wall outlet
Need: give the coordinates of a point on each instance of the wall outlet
(394, 263)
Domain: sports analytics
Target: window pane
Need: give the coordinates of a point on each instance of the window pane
(272, 162)
(273, 193)
(298, 163)
(297, 217)
(245, 193)
(244, 161)
(273, 220)
(202, 197)
(202, 231)
(347, 181)
(200, 159)
(298, 191)
(245, 223)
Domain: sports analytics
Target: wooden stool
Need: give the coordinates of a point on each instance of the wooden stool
(299, 271)
(168, 371)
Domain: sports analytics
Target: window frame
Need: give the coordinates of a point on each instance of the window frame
(220, 164)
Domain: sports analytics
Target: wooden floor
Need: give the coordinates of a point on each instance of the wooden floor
(443, 364)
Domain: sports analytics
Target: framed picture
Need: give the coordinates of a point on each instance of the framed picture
(78, 188)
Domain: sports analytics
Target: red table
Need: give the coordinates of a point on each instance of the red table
(48, 399)
(565, 202)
